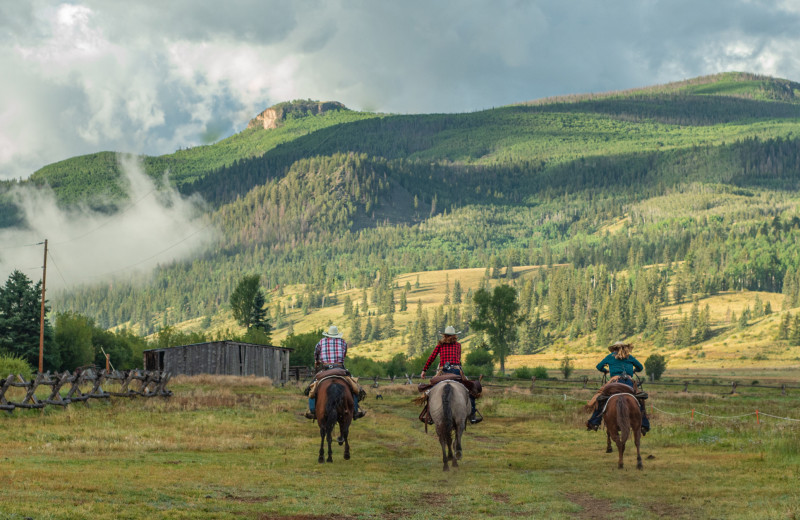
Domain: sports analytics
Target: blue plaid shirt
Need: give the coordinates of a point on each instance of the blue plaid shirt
(330, 351)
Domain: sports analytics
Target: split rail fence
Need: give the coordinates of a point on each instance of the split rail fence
(148, 383)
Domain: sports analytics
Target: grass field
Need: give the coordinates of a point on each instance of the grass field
(238, 448)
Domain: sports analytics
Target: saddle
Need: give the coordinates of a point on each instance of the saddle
(614, 387)
(473, 387)
(339, 373)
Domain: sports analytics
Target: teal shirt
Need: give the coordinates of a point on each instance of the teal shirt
(617, 367)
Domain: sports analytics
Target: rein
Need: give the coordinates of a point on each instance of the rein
(615, 395)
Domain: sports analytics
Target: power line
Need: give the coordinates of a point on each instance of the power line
(109, 220)
(153, 256)
(8, 248)
(50, 254)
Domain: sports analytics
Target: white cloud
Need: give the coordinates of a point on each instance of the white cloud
(156, 227)
(89, 75)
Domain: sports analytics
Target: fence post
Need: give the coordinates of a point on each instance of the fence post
(733, 387)
(585, 381)
(783, 389)
(375, 382)
(686, 386)
(533, 382)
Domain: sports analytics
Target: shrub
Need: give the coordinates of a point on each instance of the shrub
(15, 365)
(523, 373)
(566, 367)
(540, 373)
(654, 366)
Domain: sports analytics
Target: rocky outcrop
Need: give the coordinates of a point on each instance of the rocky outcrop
(275, 115)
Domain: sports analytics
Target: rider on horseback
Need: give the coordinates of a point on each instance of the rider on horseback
(621, 366)
(449, 351)
(328, 354)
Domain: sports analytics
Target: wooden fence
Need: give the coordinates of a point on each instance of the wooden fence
(148, 383)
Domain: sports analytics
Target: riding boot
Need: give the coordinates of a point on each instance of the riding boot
(594, 421)
(357, 414)
(310, 412)
(645, 420)
(425, 416)
(474, 416)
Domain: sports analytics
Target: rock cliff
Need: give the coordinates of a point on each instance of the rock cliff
(275, 115)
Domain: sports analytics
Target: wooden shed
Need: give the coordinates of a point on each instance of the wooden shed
(222, 358)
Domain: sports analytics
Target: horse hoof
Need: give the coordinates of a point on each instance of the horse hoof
(609, 450)
(346, 456)
(445, 468)
(340, 440)
(639, 466)
(321, 460)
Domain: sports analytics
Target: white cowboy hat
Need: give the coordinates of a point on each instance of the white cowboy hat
(333, 332)
(450, 331)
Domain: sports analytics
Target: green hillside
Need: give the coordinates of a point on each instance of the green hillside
(647, 198)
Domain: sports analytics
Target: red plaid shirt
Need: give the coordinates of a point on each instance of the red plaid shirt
(330, 350)
(447, 352)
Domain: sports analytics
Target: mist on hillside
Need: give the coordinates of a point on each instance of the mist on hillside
(154, 226)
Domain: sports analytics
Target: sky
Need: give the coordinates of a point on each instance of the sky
(150, 77)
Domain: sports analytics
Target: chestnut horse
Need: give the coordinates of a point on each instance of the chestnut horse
(623, 415)
(334, 404)
(449, 406)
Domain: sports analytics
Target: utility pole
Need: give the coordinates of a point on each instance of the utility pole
(41, 316)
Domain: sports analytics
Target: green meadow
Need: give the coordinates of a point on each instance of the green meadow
(239, 448)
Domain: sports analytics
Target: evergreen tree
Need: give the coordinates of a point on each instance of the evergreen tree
(20, 310)
(497, 314)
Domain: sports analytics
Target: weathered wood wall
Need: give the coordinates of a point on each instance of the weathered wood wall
(222, 358)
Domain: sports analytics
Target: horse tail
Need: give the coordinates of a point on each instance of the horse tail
(623, 421)
(333, 405)
(446, 409)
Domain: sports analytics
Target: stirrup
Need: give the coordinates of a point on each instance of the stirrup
(309, 415)
(475, 418)
(592, 427)
(359, 414)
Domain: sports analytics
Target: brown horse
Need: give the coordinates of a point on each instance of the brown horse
(334, 404)
(623, 415)
(449, 406)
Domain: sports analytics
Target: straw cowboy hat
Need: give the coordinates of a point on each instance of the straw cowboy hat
(621, 350)
(450, 331)
(333, 332)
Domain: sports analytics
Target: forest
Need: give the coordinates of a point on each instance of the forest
(631, 201)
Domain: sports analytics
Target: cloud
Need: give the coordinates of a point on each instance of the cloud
(93, 75)
(156, 227)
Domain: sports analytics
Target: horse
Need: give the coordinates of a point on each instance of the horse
(623, 415)
(449, 406)
(334, 404)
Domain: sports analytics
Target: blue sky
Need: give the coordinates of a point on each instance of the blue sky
(151, 77)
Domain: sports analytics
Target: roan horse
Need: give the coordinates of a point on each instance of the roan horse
(334, 404)
(623, 415)
(448, 403)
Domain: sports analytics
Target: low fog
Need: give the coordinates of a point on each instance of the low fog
(86, 247)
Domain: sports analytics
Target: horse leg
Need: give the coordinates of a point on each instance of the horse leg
(609, 449)
(345, 431)
(459, 432)
(450, 445)
(621, 450)
(637, 437)
(321, 445)
(330, 439)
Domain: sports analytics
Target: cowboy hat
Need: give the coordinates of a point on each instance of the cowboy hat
(333, 332)
(450, 331)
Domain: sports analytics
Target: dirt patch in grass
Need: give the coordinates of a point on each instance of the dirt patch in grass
(434, 499)
(593, 508)
(271, 516)
(250, 500)
(500, 497)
